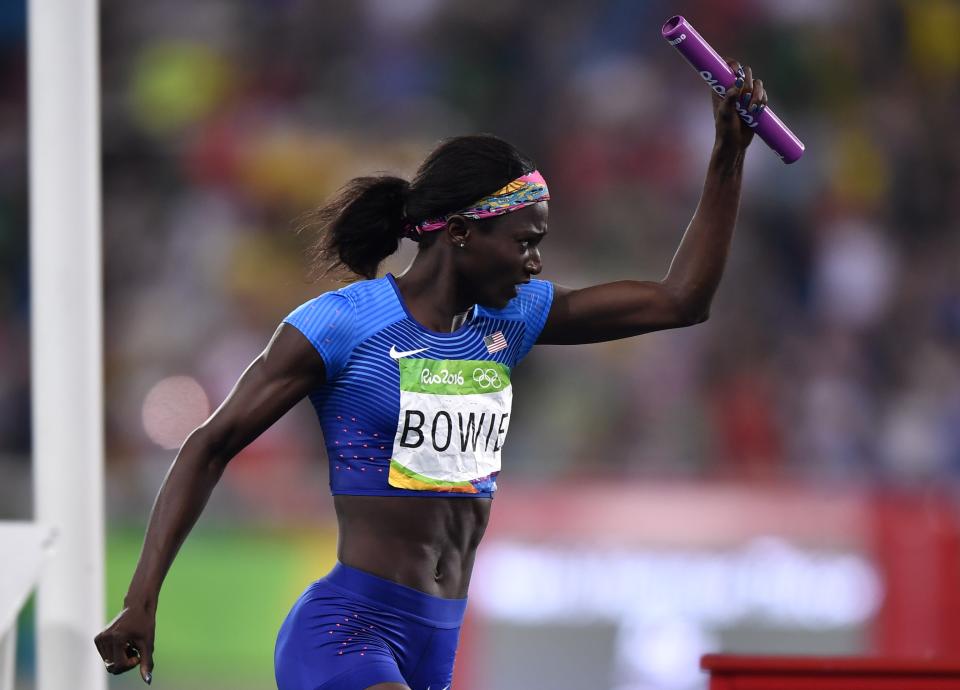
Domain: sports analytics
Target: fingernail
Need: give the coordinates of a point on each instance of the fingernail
(739, 82)
(745, 98)
(753, 108)
(741, 72)
(761, 108)
(148, 678)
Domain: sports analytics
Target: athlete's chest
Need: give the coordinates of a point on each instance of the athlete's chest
(397, 346)
(444, 399)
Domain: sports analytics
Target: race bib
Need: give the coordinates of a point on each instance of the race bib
(453, 421)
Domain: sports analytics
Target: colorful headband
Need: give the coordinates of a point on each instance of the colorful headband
(525, 190)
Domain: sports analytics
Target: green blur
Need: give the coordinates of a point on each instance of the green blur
(222, 602)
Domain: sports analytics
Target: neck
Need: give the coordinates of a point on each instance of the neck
(430, 290)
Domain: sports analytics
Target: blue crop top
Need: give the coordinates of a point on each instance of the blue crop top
(407, 411)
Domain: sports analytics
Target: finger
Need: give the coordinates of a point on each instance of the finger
(105, 648)
(102, 642)
(101, 648)
(118, 667)
(746, 93)
(734, 66)
(758, 95)
(118, 661)
(115, 668)
(738, 76)
(146, 662)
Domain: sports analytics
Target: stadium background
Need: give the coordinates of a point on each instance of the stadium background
(780, 478)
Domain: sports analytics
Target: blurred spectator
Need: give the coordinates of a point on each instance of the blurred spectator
(831, 352)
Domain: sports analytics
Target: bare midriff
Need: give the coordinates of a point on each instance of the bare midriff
(426, 543)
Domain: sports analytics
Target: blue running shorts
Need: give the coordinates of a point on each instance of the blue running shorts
(350, 630)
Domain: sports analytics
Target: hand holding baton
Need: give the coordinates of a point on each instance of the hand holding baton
(682, 36)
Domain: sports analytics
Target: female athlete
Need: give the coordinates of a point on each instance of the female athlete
(410, 378)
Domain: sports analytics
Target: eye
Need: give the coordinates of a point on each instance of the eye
(524, 244)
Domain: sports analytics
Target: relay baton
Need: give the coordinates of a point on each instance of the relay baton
(720, 77)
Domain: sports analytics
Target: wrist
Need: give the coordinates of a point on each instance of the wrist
(727, 157)
(139, 601)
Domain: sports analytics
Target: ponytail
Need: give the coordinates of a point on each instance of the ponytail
(359, 227)
(363, 223)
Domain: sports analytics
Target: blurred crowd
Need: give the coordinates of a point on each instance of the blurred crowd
(832, 349)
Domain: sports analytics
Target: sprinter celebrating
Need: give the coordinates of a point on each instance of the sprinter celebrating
(410, 379)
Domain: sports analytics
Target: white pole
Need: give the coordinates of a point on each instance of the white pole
(8, 655)
(66, 336)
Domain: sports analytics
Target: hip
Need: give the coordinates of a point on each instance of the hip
(352, 627)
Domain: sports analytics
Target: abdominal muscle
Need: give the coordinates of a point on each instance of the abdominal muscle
(426, 543)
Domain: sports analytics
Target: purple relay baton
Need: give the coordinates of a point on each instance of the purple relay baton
(720, 77)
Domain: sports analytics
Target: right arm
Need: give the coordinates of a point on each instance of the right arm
(630, 307)
(287, 370)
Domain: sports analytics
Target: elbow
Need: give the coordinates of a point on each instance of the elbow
(686, 305)
(692, 318)
(210, 444)
(690, 313)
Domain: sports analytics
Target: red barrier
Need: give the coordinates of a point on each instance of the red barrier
(916, 544)
(829, 673)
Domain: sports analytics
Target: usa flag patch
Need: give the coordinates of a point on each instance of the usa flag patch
(495, 342)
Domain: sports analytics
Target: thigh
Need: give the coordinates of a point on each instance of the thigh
(433, 669)
(328, 643)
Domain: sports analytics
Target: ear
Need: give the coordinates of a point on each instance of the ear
(458, 230)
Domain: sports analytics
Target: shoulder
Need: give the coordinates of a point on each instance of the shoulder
(374, 304)
(337, 321)
(532, 300)
(364, 291)
(529, 309)
(363, 300)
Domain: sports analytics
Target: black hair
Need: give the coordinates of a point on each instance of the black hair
(363, 223)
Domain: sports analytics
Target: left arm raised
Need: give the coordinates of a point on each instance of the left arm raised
(631, 307)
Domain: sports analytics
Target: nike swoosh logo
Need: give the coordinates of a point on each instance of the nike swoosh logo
(406, 353)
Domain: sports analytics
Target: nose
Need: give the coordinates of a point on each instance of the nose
(534, 264)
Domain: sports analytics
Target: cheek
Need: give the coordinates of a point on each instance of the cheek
(490, 259)
(504, 263)
(494, 261)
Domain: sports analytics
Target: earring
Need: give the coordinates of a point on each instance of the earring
(462, 245)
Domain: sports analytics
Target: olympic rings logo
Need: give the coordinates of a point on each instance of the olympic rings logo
(487, 378)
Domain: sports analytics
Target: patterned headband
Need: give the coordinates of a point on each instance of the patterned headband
(525, 190)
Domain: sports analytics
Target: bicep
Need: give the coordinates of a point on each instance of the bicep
(283, 374)
(612, 311)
